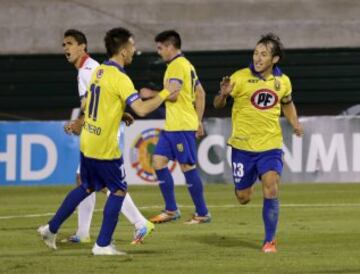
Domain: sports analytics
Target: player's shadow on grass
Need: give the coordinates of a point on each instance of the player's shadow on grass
(222, 241)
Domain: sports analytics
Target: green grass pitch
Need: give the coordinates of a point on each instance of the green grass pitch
(319, 232)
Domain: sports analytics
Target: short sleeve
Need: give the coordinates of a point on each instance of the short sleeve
(82, 84)
(288, 87)
(175, 72)
(128, 93)
(236, 80)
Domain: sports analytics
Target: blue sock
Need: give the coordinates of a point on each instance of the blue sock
(72, 200)
(166, 184)
(270, 217)
(195, 188)
(110, 218)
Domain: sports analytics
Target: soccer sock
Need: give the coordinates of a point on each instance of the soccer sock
(132, 213)
(270, 217)
(85, 213)
(166, 184)
(110, 218)
(68, 206)
(195, 188)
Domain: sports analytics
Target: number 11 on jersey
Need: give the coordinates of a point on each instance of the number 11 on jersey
(94, 101)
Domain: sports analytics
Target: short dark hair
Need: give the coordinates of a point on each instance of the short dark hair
(79, 37)
(116, 38)
(274, 40)
(171, 36)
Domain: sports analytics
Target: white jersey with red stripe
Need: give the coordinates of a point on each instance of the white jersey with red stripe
(87, 67)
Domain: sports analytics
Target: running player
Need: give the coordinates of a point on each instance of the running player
(260, 92)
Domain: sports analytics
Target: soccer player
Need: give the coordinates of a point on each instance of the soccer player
(101, 159)
(260, 92)
(75, 49)
(183, 123)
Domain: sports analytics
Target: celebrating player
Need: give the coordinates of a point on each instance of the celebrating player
(260, 92)
(183, 123)
(75, 49)
(101, 161)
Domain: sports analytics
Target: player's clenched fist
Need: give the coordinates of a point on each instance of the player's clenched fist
(74, 126)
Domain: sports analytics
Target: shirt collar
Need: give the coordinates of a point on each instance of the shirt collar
(175, 57)
(83, 60)
(114, 64)
(276, 71)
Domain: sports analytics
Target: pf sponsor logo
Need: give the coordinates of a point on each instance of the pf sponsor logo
(264, 99)
(141, 153)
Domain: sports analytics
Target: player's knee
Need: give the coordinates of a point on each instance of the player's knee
(119, 192)
(270, 189)
(186, 167)
(242, 197)
(158, 162)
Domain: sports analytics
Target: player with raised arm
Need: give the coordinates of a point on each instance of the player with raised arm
(101, 159)
(260, 92)
(75, 49)
(183, 123)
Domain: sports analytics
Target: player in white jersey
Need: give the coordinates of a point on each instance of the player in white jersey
(75, 48)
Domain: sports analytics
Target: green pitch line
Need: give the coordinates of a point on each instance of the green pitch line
(318, 233)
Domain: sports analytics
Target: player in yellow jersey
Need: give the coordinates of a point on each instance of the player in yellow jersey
(101, 159)
(260, 92)
(178, 139)
(75, 49)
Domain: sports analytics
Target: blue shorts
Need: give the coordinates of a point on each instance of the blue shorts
(248, 166)
(179, 145)
(97, 174)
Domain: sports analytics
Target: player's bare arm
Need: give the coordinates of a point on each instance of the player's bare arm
(225, 89)
(142, 108)
(147, 93)
(174, 85)
(289, 110)
(74, 126)
(200, 108)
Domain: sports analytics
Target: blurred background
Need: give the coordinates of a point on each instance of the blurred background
(321, 38)
(38, 85)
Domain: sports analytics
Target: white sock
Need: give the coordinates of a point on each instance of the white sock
(132, 213)
(85, 213)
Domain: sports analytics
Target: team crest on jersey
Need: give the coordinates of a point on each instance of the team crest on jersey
(141, 153)
(264, 99)
(99, 73)
(180, 147)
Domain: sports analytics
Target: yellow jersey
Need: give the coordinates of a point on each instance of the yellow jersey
(109, 91)
(256, 109)
(181, 115)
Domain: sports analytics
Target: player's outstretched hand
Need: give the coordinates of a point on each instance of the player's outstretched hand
(200, 131)
(128, 119)
(298, 129)
(225, 86)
